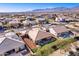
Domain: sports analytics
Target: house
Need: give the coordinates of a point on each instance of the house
(33, 23)
(60, 31)
(76, 31)
(70, 26)
(8, 19)
(3, 20)
(10, 46)
(15, 23)
(60, 19)
(40, 19)
(76, 24)
(26, 23)
(51, 18)
(71, 19)
(1, 27)
(24, 37)
(40, 37)
(74, 27)
(31, 20)
(12, 35)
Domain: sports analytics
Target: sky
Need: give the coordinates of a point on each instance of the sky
(20, 7)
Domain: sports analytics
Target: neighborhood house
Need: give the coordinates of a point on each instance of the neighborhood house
(40, 37)
(60, 31)
(11, 44)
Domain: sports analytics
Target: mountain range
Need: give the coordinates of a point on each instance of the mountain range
(58, 9)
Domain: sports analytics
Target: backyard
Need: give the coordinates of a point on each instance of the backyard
(53, 46)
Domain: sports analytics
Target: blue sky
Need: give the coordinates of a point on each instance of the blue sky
(19, 7)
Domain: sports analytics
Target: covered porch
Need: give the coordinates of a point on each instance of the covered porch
(45, 41)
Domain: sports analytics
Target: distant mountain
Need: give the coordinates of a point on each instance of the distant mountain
(57, 9)
(75, 9)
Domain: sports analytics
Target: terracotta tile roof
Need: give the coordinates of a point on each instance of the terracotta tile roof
(30, 44)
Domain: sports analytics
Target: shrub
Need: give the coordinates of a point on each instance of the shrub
(44, 51)
(70, 40)
(35, 49)
(47, 49)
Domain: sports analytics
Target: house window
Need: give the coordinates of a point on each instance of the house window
(9, 52)
(71, 33)
(16, 49)
(45, 41)
(22, 48)
(64, 34)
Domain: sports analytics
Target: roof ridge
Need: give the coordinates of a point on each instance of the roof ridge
(37, 34)
(16, 40)
(2, 41)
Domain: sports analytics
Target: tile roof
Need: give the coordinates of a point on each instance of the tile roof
(8, 44)
(59, 29)
(29, 43)
(37, 34)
